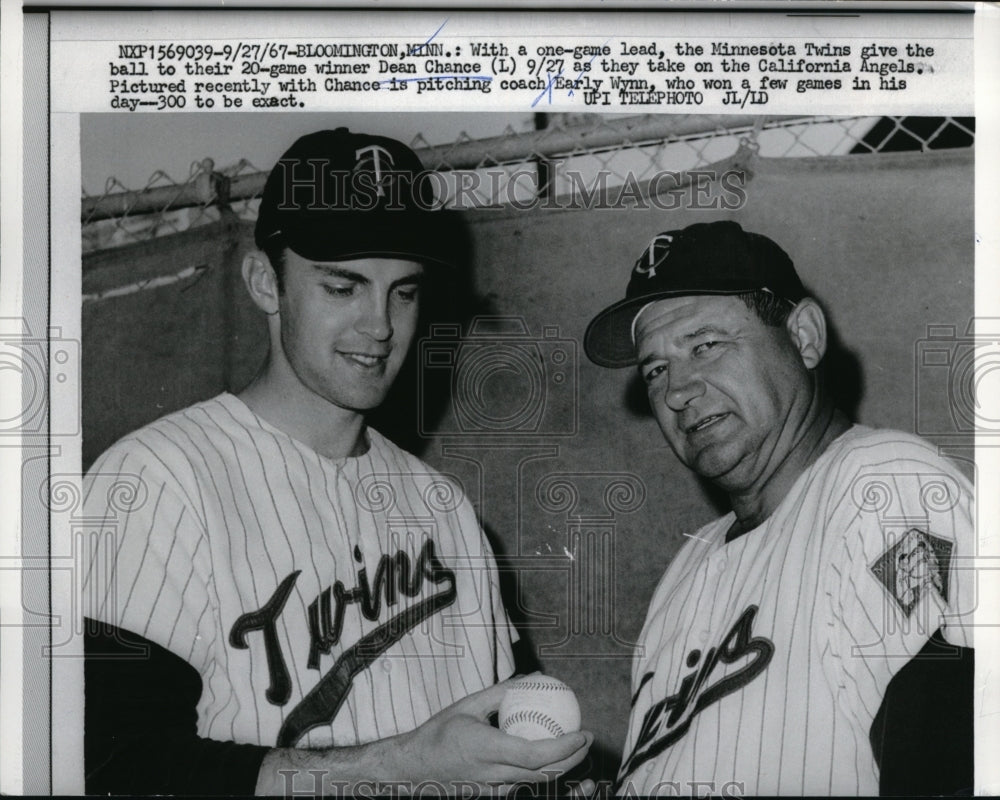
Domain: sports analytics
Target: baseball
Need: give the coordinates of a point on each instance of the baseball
(539, 707)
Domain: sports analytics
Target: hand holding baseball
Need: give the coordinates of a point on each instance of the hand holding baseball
(459, 744)
(539, 707)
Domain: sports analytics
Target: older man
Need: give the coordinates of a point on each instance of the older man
(814, 639)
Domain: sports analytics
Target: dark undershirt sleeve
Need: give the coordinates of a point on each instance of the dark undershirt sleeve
(922, 736)
(141, 723)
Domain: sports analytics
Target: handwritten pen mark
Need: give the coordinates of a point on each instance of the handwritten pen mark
(485, 78)
(576, 80)
(416, 50)
(548, 89)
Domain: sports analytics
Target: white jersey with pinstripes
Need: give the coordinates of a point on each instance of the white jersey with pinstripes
(323, 602)
(765, 659)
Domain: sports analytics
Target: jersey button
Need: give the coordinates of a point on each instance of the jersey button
(720, 565)
(703, 636)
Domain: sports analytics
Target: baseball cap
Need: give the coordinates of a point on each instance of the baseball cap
(704, 258)
(336, 195)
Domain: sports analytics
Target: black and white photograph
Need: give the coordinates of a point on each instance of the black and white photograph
(587, 482)
(558, 449)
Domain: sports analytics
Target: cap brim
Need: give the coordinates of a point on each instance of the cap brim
(608, 338)
(406, 254)
(414, 237)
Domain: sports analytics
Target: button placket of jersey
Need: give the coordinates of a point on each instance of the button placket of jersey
(347, 518)
(348, 507)
(695, 620)
(715, 568)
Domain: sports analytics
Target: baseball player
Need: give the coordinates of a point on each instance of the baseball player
(290, 602)
(815, 639)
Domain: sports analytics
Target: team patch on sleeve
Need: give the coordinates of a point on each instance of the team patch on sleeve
(915, 565)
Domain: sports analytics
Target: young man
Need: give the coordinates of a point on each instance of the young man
(294, 603)
(812, 641)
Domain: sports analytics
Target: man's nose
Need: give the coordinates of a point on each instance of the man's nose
(685, 385)
(375, 320)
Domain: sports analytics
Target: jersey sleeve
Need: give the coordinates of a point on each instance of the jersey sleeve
(147, 562)
(140, 724)
(900, 539)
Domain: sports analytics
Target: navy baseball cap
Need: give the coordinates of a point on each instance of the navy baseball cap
(336, 195)
(705, 258)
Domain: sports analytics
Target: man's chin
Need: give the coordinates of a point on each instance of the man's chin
(714, 463)
(358, 402)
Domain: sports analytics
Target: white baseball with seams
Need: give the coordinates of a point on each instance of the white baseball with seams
(539, 707)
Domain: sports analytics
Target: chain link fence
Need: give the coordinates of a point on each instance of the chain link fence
(513, 167)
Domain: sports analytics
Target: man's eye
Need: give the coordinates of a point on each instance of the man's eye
(704, 347)
(654, 372)
(407, 293)
(339, 290)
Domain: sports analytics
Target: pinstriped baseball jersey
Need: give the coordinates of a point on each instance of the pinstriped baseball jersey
(323, 602)
(765, 659)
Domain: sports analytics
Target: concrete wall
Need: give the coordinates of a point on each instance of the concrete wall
(583, 500)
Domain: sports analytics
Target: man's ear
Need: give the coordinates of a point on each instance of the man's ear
(806, 326)
(261, 282)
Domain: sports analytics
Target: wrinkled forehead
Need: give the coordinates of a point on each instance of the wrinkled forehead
(676, 316)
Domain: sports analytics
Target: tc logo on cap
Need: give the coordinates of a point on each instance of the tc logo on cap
(370, 159)
(655, 255)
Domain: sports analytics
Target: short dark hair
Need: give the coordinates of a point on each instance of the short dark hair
(769, 308)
